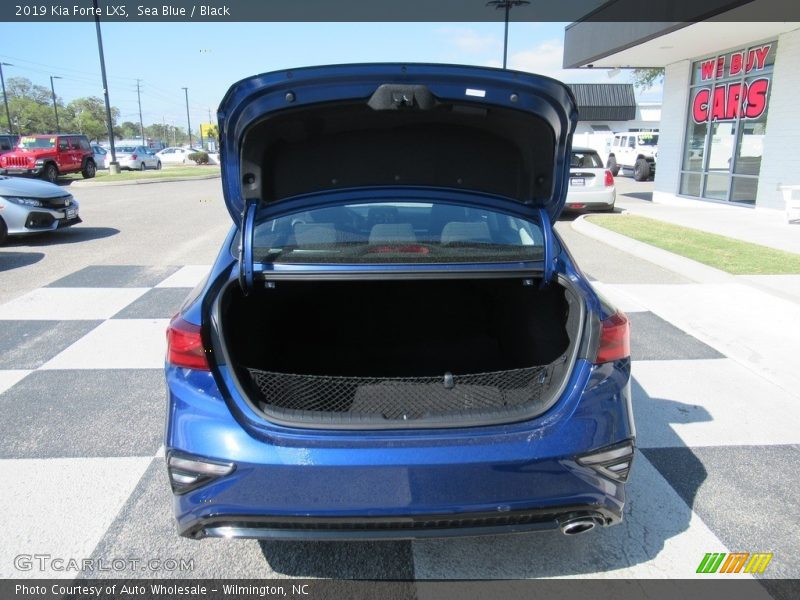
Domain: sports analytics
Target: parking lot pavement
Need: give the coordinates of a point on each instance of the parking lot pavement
(82, 394)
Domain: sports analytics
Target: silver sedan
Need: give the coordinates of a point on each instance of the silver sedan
(137, 158)
(34, 206)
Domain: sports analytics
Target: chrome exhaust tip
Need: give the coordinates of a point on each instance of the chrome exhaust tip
(576, 524)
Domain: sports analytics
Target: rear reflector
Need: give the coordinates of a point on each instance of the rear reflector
(609, 179)
(185, 345)
(615, 339)
(188, 472)
(614, 462)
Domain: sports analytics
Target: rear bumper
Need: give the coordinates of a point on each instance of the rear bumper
(311, 484)
(581, 199)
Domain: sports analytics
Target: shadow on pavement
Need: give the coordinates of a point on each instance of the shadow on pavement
(70, 235)
(15, 260)
(647, 196)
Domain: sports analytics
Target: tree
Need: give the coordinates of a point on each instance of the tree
(644, 79)
(88, 116)
(127, 130)
(31, 106)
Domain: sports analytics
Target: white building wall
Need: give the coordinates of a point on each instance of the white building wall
(779, 162)
(674, 106)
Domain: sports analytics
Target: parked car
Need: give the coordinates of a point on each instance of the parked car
(49, 156)
(393, 341)
(30, 206)
(635, 152)
(8, 142)
(101, 156)
(136, 158)
(590, 185)
(175, 155)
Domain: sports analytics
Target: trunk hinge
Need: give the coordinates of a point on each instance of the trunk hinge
(549, 253)
(246, 245)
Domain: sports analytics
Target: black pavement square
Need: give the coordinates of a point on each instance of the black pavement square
(653, 338)
(112, 276)
(145, 527)
(157, 303)
(746, 495)
(83, 413)
(30, 344)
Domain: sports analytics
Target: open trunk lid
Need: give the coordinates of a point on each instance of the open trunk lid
(290, 139)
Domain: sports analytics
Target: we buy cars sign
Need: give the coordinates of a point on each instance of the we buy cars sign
(727, 101)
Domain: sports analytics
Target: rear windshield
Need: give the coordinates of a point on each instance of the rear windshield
(31, 143)
(396, 232)
(127, 149)
(585, 160)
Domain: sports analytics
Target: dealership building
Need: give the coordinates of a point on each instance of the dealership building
(730, 113)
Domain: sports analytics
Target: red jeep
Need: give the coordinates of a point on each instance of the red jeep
(49, 156)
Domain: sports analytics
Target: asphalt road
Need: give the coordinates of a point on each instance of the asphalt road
(179, 223)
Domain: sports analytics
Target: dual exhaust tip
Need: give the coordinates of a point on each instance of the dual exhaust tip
(580, 523)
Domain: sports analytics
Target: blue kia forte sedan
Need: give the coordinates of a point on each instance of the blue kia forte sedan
(393, 341)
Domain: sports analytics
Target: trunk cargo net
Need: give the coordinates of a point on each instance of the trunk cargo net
(403, 398)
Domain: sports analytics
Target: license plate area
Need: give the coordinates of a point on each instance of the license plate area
(71, 213)
(577, 181)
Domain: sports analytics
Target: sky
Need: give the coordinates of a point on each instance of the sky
(208, 57)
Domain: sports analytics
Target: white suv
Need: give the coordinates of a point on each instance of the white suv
(634, 151)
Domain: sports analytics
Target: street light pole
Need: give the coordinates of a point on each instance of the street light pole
(5, 97)
(507, 5)
(113, 166)
(55, 106)
(188, 121)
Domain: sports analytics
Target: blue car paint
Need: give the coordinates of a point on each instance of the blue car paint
(297, 472)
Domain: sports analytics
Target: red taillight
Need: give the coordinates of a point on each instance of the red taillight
(615, 339)
(609, 179)
(133, 157)
(185, 346)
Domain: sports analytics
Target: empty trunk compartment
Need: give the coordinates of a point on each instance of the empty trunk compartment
(381, 354)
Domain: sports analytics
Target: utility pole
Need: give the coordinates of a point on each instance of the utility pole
(113, 166)
(55, 106)
(507, 5)
(188, 121)
(5, 97)
(141, 123)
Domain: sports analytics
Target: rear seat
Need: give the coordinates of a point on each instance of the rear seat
(384, 233)
(465, 231)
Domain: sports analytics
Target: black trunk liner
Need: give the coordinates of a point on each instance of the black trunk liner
(454, 397)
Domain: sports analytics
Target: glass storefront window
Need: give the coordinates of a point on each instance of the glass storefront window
(727, 116)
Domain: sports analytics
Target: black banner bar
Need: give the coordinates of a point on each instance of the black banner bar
(713, 588)
(684, 11)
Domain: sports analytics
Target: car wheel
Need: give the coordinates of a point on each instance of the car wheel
(142, 166)
(50, 173)
(158, 166)
(641, 170)
(3, 232)
(89, 169)
(613, 166)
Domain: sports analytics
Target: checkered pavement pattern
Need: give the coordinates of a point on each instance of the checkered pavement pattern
(82, 401)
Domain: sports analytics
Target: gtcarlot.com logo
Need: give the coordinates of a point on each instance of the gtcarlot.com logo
(735, 562)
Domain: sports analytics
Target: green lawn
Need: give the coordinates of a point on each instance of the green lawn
(720, 252)
(181, 171)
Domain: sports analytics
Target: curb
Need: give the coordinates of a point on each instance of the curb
(691, 269)
(90, 184)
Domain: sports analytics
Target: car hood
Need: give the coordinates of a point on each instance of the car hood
(503, 134)
(20, 186)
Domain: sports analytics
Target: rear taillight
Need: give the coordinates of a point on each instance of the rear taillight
(185, 346)
(615, 339)
(609, 179)
(133, 157)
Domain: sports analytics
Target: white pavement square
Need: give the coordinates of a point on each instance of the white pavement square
(11, 377)
(70, 303)
(117, 344)
(188, 276)
(710, 403)
(746, 324)
(61, 507)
